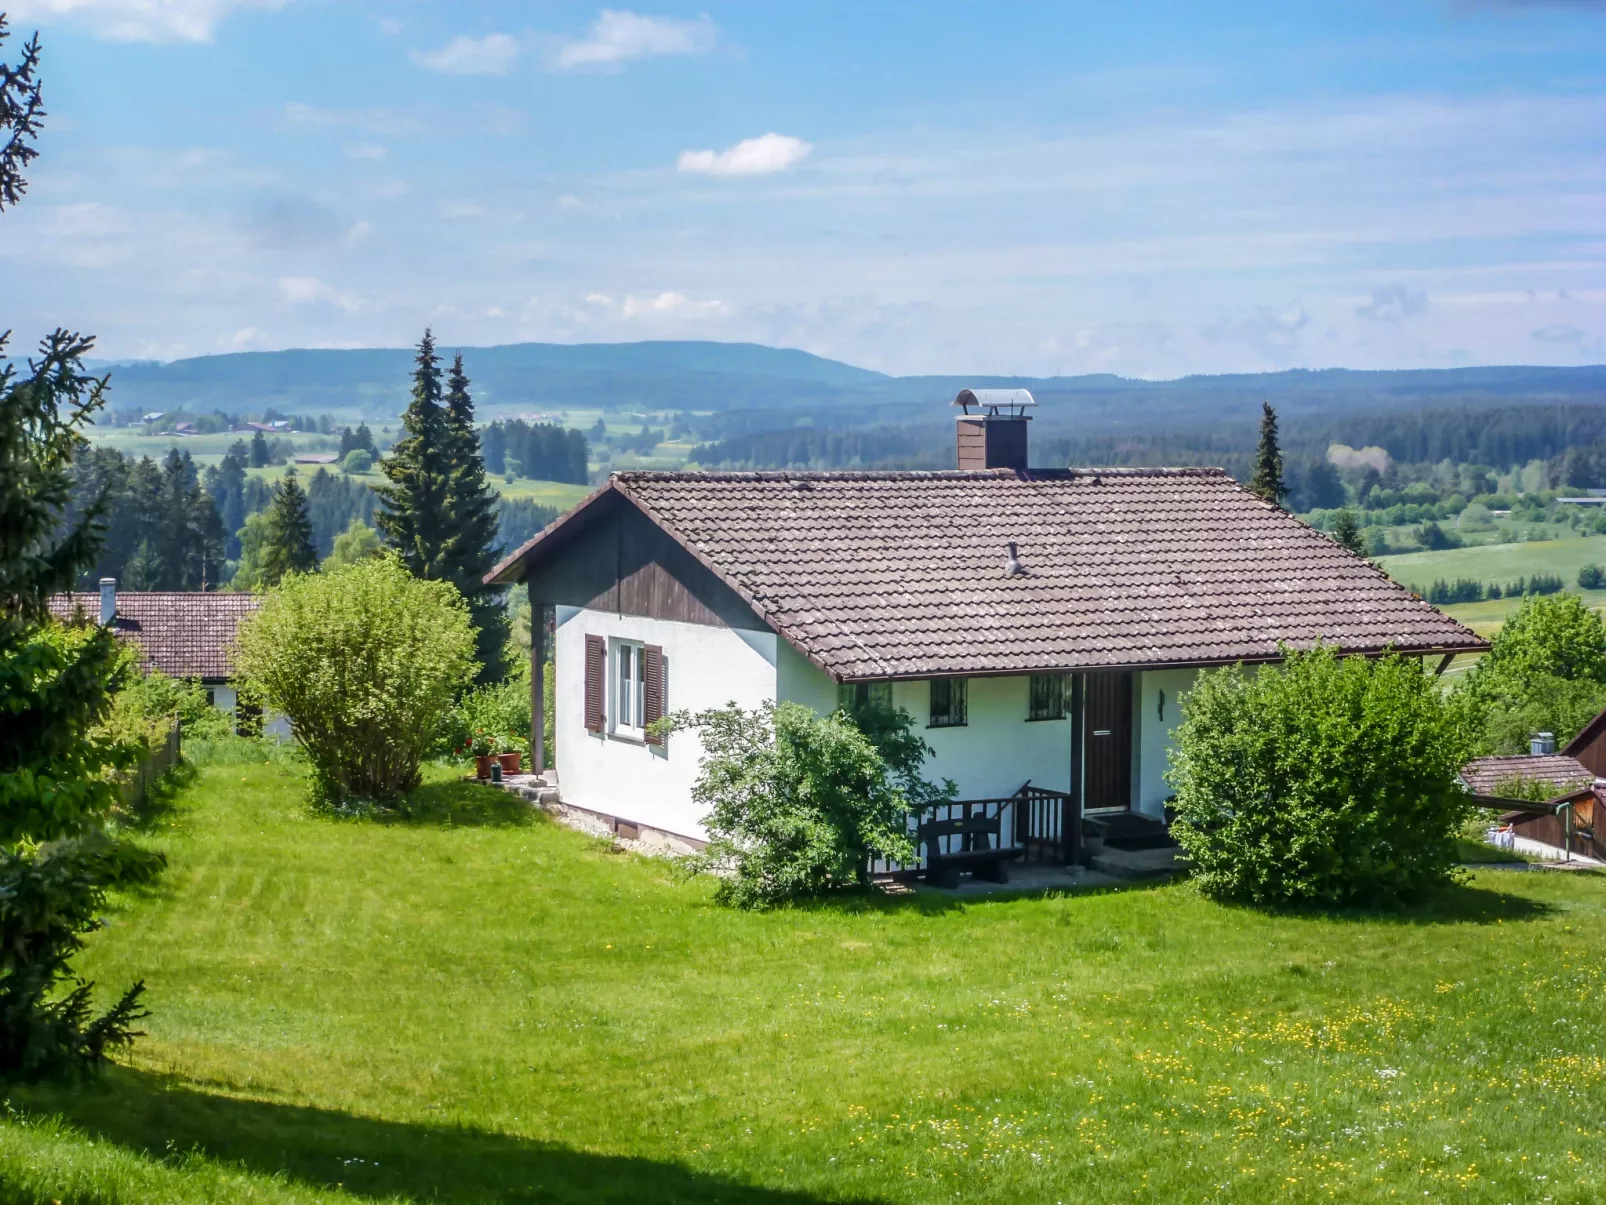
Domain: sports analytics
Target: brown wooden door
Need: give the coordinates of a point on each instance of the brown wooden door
(1109, 741)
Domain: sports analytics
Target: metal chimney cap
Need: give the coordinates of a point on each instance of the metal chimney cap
(1011, 401)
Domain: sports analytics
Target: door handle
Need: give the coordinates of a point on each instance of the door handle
(1101, 732)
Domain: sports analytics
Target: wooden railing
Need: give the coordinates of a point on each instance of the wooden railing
(1046, 826)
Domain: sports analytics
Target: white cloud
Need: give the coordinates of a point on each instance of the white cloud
(569, 201)
(365, 150)
(1558, 332)
(619, 36)
(491, 55)
(1393, 303)
(373, 120)
(1271, 330)
(669, 305)
(599, 299)
(243, 337)
(136, 20)
(749, 157)
(309, 290)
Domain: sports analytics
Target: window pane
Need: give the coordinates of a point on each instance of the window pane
(626, 708)
(641, 692)
(1047, 697)
(881, 695)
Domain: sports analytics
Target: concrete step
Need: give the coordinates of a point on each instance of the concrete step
(1140, 863)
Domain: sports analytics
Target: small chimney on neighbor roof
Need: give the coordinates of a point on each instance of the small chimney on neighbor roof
(108, 601)
(1542, 744)
(992, 429)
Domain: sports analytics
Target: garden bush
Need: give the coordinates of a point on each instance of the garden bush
(798, 804)
(1326, 781)
(364, 662)
(494, 718)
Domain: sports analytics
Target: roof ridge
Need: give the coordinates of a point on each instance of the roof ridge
(1029, 474)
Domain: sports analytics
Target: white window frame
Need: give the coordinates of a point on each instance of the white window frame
(627, 704)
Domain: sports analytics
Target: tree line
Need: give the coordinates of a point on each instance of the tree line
(541, 451)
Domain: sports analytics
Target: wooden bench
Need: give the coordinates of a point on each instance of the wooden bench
(980, 852)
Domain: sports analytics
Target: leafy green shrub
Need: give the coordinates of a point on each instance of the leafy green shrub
(1592, 577)
(797, 803)
(1545, 672)
(363, 661)
(1327, 780)
(492, 719)
(358, 460)
(149, 701)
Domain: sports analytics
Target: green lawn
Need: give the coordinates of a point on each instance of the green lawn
(480, 1005)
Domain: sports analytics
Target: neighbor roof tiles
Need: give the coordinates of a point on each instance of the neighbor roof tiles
(184, 634)
(902, 574)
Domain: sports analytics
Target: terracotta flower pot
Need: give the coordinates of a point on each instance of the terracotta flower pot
(510, 762)
(482, 767)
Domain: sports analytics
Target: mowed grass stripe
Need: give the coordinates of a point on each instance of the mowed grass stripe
(487, 1006)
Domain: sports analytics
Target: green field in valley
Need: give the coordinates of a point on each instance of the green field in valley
(477, 1005)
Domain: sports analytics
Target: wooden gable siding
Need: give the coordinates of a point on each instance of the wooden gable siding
(623, 562)
(1589, 746)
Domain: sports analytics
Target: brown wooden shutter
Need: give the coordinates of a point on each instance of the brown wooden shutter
(652, 689)
(596, 681)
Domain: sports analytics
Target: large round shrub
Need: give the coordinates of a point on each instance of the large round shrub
(1326, 780)
(364, 662)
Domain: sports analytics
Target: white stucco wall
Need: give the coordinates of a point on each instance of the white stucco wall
(799, 680)
(999, 749)
(704, 666)
(1152, 735)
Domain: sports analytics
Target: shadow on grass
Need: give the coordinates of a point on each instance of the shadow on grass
(169, 1119)
(464, 805)
(1457, 904)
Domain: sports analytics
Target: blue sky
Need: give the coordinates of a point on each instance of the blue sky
(1150, 189)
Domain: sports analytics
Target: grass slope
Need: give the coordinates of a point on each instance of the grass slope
(482, 1006)
(1498, 562)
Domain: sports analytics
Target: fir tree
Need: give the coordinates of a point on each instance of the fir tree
(1268, 479)
(288, 544)
(261, 457)
(1347, 532)
(413, 515)
(472, 507)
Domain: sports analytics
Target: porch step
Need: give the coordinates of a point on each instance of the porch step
(1156, 863)
(1126, 830)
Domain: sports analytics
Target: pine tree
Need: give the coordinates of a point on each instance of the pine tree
(1268, 479)
(414, 518)
(1347, 532)
(56, 860)
(261, 457)
(288, 546)
(472, 506)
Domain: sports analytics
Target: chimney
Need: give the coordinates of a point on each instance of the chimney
(108, 601)
(994, 436)
(1542, 744)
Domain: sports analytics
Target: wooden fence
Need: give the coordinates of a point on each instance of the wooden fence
(160, 760)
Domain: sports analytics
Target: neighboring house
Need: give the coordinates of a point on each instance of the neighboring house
(182, 633)
(1039, 625)
(1572, 821)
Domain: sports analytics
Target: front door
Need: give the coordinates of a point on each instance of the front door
(1109, 741)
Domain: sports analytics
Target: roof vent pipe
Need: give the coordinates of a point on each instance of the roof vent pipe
(108, 601)
(1543, 744)
(1012, 565)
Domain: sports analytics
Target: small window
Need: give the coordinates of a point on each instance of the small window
(1047, 697)
(948, 697)
(854, 697)
(629, 688)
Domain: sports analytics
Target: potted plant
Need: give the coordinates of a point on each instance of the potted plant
(510, 752)
(481, 747)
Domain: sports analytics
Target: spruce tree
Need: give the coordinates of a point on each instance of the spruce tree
(413, 515)
(261, 457)
(472, 507)
(1268, 479)
(57, 861)
(288, 546)
(1347, 531)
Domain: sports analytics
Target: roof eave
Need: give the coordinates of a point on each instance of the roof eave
(510, 570)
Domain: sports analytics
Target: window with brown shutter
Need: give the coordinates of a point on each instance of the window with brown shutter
(596, 681)
(652, 690)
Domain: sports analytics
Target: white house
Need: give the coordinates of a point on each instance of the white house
(182, 633)
(1041, 626)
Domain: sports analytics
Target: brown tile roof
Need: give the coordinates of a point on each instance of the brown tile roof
(185, 634)
(901, 574)
(1485, 774)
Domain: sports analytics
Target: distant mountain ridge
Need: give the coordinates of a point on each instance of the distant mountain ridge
(757, 387)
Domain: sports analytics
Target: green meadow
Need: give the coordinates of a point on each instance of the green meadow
(474, 1004)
